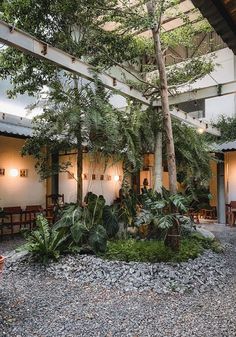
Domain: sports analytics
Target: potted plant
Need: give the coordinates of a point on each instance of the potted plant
(2, 259)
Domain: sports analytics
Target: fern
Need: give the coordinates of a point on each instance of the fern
(45, 243)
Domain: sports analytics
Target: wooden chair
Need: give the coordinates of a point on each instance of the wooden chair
(194, 215)
(31, 212)
(231, 213)
(54, 202)
(12, 218)
(210, 213)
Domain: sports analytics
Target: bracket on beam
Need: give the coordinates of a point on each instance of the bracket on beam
(44, 51)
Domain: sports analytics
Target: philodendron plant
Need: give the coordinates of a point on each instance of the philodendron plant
(163, 211)
(90, 226)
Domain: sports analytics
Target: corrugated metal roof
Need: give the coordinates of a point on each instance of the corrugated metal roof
(227, 146)
(15, 126)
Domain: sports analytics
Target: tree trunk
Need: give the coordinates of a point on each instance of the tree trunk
(79, 175)
(158, 163)
(79, 151)
(164, 99)
(173, 234)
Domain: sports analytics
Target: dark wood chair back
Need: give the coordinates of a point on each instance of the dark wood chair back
(233, 204)
(33, 208)
(12, 210)
(31, 212)
(53, 203)
(12, 219)
(54, 200)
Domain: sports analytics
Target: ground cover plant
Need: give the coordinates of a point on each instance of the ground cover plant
(156, 251)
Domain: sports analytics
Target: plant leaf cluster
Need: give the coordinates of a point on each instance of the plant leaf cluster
(79, 229)
(162, 210)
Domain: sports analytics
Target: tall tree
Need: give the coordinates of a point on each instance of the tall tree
(78, 28)
(133, 16)
(151, 7)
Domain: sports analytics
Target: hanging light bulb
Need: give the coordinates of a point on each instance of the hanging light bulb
(200, 131)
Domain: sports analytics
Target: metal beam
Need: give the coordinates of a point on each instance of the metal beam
(25, 42)
(202, 93)
(204, 127)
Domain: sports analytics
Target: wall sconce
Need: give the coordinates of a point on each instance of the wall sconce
(2, 172)
(116, 178)
(85, 176)
(23, 173)
(14, 172)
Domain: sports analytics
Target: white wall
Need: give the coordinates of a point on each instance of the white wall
(223, 105)
(92, 165)
(230, 176)
(17, 106)
(18, 191)
(224, 72)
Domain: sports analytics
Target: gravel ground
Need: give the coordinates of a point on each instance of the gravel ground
(46, 303)
(8, 244)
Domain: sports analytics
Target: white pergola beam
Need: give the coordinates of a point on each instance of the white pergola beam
(25, 42)
(203, 126)
(29, 44)
(202, 93)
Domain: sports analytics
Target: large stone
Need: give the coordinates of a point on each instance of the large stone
(15, 256)
(205, 233)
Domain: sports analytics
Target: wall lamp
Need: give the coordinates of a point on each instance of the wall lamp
(14, 172)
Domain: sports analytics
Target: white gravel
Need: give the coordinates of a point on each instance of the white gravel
(91, 297)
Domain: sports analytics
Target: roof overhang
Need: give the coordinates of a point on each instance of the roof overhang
(221, 14)
(226, 147)
(15, 126)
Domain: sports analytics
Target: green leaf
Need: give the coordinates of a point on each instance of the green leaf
(110, 220)
(179, 201)
(98, 239)
(165, 221)
(78, 231)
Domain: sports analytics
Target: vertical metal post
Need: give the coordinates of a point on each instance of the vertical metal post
(135, 182)
(221, 190)
(55, 177)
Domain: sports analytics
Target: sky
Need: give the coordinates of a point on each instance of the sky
(16, 106)
(19, 105)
